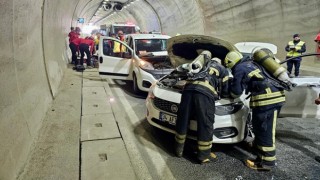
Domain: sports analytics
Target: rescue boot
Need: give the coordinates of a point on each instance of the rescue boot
(260, 165)
(178, 149)
(211, 158)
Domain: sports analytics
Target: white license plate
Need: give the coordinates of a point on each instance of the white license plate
(168, 118)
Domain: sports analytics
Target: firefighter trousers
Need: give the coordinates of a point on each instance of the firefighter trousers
(197, 106)
(264, 127)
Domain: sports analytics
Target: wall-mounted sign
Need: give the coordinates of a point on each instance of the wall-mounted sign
(81, 20)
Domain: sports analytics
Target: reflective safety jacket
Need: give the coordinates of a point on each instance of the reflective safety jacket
(214, 84)
(118, 47)
(247, 76)
(299, 46)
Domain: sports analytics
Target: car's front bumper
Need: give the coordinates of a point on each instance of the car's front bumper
(227, 129)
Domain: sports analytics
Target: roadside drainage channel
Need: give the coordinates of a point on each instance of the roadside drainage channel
(103, 153)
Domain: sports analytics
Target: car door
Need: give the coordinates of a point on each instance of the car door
(300, 101)
(113, 64)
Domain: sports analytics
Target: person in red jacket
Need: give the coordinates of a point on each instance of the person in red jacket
(87, 46)
(73, 35)
(74, 46)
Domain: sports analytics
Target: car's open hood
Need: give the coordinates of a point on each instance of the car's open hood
(183, 49)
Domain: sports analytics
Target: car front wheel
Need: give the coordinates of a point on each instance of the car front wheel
(135, 84)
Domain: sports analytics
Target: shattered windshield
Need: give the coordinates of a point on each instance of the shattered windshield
(150, 45)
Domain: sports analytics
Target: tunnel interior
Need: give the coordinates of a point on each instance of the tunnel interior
(34, 46)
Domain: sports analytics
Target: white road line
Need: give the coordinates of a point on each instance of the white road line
(137, 162)
(151, 149)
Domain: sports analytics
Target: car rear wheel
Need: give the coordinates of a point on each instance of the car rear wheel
(135, 84)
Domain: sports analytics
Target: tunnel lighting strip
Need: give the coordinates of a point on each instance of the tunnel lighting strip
(125, 6)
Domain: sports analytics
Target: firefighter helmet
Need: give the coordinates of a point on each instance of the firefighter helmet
(232, 58)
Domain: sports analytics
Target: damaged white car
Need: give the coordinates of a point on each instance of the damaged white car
(232, 116)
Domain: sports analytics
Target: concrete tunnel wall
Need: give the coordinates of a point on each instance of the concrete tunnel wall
(33, 57)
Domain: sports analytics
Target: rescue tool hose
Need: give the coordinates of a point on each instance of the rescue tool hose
(302, 55)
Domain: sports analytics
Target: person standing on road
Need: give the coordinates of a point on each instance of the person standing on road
(118, 48)
(74, 46)
(266, 101)
(294, 49)
(87, 46)
(198, 101)
(73, 35)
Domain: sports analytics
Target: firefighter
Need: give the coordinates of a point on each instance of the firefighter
(198, 101)
(295, 48)
(266, 101)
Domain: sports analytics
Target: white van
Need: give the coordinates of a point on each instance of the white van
(144, 60)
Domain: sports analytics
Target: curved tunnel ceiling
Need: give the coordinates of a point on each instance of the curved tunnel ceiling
(149, 15)
(35, 45)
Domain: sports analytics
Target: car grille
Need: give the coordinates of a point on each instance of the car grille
(166, 105)
(191, 133)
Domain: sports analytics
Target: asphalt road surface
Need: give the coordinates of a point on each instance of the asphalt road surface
(297, 142)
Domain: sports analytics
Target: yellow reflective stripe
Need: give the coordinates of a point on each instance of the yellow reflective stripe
(275, 116)
(266, 149)
(226, 78)
(204, 143)
(267, 102)
(272, 158)
(206, 84)
(214, 70)
(234, 95)
(180, 141)
(268, 90)
(266, 96)
(203, 148)
(180, 138)
(255, 73)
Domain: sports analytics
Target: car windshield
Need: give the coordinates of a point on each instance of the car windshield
(150, 45)
(125, 29)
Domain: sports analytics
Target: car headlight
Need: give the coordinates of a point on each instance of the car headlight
(150, 93)
(227, 109)
(145, 65)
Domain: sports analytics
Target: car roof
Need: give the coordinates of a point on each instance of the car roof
(248, 47)
(148, 36)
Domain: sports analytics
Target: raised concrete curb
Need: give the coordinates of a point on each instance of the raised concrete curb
(79, 138)
(103, 152)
